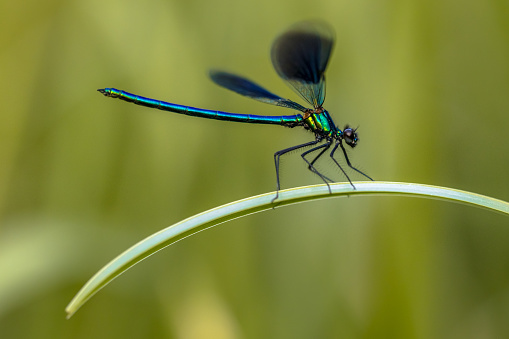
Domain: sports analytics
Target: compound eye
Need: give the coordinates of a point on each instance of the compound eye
(350, 137)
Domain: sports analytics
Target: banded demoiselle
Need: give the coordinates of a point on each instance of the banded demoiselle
(300, 56)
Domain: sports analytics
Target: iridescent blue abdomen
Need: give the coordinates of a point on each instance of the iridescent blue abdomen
(283, 120)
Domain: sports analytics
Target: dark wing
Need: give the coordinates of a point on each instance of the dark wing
(249, 89)
(300, 56)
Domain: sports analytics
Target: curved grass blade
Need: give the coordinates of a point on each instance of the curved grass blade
(242, 208)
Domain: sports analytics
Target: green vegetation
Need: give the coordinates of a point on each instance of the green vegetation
(83, 177)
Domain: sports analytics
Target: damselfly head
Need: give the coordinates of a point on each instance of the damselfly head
(350, 136)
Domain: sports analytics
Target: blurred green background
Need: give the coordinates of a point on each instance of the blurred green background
(83, 177)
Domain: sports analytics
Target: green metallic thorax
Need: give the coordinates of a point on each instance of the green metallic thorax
(320, 123)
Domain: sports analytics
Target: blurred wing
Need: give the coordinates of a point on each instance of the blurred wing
(300, 56)
(249, 89)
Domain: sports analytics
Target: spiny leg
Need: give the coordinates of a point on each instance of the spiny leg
(278, 154)
(310, 164)
(348, 162)
(316, 158)
(350, 165)
(337, 163)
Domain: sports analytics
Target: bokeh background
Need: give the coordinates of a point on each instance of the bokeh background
(83, 177)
